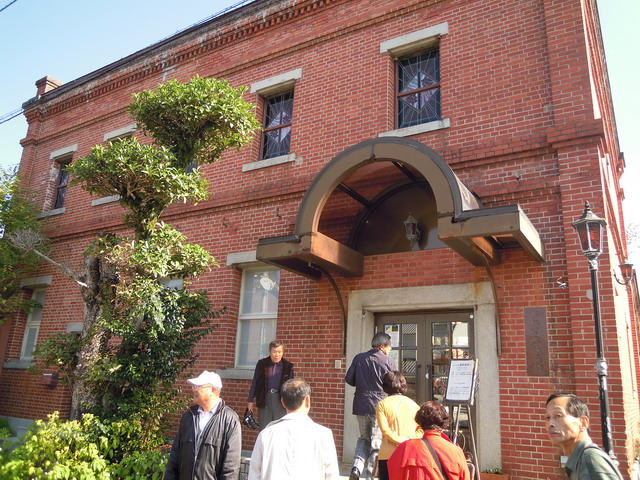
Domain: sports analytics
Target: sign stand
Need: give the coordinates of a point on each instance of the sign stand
(461, 391)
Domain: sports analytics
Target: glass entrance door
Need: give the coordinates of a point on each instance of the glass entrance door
(424, 343)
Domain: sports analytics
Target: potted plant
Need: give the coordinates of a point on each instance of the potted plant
(494, 474)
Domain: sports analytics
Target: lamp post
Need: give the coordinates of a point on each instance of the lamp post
(590, 232)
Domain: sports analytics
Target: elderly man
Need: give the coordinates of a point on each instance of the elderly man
(207, 445)
(294, 447)
(567, 419)
(365, 373)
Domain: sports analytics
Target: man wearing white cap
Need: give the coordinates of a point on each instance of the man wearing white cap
(208, 443)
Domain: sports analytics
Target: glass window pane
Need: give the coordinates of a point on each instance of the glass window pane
(260, 291)
(409, 335)
(409, 362)
(440, 335)
(439, 386)
(31, 335)
(421, 76)
(441, 357)
(460, 335)
(253, 340)
(409, 369)
(393, 330)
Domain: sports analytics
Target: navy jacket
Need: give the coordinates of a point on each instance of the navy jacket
(365, 373)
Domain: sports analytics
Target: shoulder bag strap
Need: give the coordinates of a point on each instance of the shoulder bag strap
(435, 458)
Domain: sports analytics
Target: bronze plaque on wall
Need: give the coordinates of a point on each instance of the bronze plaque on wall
(536, 341)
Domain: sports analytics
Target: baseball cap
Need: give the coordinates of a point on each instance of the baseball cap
(207, 378)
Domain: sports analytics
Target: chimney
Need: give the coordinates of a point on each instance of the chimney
(46, 84)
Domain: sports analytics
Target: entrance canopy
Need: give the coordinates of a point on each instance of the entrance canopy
(361, 187)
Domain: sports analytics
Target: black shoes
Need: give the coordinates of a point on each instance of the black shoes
(355, 474)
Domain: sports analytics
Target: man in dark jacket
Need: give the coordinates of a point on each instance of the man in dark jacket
(208, 443)
(365, 373)
(270, 373)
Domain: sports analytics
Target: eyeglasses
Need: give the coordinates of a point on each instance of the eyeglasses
(196, 388)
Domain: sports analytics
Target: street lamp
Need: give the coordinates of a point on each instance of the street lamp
(590, 232)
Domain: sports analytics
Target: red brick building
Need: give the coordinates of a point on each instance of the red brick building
(489, 123)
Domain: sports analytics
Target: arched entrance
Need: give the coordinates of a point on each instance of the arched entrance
(350, 182)
(357, 205)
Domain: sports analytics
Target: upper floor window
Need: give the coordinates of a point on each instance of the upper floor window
(416, 58)
(277, 125)
(62, 184)
(258, 314)
(33, 325)
(418, 94)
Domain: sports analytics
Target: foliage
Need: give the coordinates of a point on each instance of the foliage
(59, 450)
(87, 449)
(147, 179)
(198, 120)
(60, 351)
(16, 212)
(139, 337)
(497, 471)
(5, 429)
(137, 465)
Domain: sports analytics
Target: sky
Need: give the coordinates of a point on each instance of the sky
(70, 38)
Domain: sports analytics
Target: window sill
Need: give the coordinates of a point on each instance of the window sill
(236, 373)
(269, 162)
(103, 200)
(18, 364)
(416, 129)
(51, 213)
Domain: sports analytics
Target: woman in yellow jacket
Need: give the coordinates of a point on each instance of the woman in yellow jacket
(396, 418)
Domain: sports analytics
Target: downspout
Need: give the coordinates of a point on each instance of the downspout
(495, 301)
(340, 301)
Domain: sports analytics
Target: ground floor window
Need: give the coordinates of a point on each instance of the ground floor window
(33, 325)
(258, 314)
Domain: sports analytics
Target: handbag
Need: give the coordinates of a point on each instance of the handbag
(435, 458)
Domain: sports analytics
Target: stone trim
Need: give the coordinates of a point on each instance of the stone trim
(120, 132)
(63, 152)
(103, 200)
(414, 41)
(417, 129)
(236, 373)
(277, 84)
(270, 162)
(364, 304)
(18, 364)
(50, 213)
(36, 282)
(242, 259)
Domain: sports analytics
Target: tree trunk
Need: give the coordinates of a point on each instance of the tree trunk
(100, 280)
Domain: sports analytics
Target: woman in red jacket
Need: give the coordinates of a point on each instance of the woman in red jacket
(412, 460)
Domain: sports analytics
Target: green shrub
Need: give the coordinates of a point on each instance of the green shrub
(57, 450)
(5, 429)
(89, 449)
(148, 465)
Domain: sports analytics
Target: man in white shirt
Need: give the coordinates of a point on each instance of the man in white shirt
(294, 447)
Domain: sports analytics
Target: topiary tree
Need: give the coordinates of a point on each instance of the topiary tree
(139, 336)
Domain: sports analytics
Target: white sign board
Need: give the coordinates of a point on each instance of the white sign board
(462, 381)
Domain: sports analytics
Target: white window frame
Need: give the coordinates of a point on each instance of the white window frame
(243, 318)
(33, 324)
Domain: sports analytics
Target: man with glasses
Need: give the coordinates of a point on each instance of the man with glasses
(208, 442)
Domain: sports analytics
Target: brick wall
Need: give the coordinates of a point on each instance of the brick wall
(515, 85)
